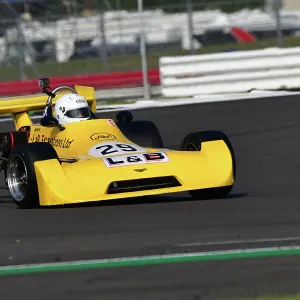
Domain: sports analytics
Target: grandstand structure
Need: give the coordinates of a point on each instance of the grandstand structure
(81, 37)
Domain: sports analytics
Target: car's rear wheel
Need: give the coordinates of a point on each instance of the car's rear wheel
(21, 177)
(142, 133)
(192, 142)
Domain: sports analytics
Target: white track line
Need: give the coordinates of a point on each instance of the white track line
(246, 241)
(206, 254)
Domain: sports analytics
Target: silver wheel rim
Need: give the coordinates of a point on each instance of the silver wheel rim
(17, 177)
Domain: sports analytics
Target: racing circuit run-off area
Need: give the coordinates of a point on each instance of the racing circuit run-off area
(243, 245)
(150, 150)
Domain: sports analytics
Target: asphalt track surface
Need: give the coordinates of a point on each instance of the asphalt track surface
(264, 207)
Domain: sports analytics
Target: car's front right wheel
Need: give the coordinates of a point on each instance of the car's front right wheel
(21, 177)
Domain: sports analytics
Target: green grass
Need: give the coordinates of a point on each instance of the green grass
(126, 63)
(113, 102)
(275, 297)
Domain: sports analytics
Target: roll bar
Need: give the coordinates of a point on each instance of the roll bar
(44, 83)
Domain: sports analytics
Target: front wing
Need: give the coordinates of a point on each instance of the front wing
(94, 180)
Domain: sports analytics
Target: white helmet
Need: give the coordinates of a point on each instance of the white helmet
(71, 108)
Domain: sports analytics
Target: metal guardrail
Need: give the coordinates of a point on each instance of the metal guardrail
(126, 93)
(271, 68)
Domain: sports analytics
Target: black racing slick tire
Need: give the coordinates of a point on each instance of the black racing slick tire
(21, 177)
(142, 133)
(192, 142)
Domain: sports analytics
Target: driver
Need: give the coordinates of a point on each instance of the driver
(72, 108)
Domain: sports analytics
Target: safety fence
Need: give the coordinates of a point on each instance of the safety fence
(271, 68)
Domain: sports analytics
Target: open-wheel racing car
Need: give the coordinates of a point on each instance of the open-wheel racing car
(47, 164)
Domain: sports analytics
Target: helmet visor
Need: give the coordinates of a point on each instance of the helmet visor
(83, 112)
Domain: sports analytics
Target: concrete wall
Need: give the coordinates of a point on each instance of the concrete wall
(291, 4)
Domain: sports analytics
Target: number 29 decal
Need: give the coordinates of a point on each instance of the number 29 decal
(113, 148)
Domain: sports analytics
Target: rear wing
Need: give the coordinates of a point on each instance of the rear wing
(20, 107)
(12, 106)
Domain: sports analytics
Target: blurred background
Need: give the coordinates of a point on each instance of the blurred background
(81, 37)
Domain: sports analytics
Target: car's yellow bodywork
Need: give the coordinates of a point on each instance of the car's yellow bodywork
(91, 142)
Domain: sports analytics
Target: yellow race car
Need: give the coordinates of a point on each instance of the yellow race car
(47, 164)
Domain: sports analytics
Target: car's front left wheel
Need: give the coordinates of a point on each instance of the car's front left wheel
(192, 142)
